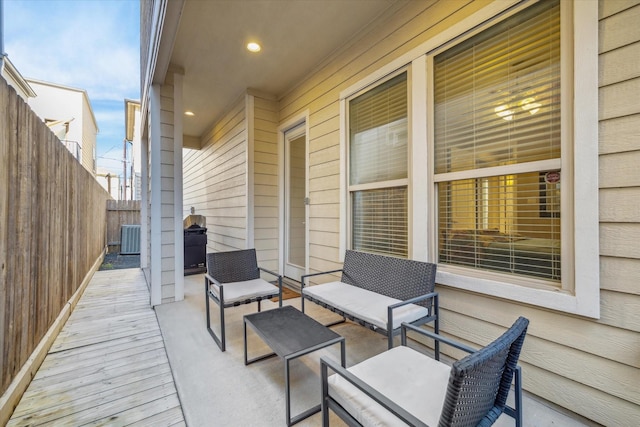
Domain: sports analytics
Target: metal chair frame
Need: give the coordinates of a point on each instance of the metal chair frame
(478, 386)
(228, 267)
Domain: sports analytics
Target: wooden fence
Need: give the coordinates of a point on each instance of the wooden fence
(120, 212)
(52, 231)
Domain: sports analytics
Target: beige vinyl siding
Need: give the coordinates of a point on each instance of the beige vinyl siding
(215, 181)
(590, 367)
(404, 30)
(265, 180)
(167, 237)
(619, 134)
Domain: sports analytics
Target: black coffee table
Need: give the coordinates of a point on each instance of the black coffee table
(290, 334)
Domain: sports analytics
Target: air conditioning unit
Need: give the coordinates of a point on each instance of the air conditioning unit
(130, 239)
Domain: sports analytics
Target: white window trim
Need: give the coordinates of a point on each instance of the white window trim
(584, 267)
(345, 188)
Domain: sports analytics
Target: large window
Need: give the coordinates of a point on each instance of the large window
(378, 168)
(495, 176)
(497, 147)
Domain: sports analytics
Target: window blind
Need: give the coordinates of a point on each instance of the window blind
(508, 223)
(379, 221)
(497, 94)
(378, 133)
(497, 103)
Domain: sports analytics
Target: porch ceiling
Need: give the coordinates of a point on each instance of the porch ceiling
(296, 37)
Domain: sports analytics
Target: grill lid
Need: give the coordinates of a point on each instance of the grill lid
(195, 220)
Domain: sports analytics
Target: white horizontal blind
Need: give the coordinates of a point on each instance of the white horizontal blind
(378, 132)
(497, 94)
(508, 223)
(497, 103)
(380, 221)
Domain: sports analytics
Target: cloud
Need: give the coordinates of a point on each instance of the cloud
(86, 44)
(90, 45)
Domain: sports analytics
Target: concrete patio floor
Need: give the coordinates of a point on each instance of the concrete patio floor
(217, 389)
(118, 384)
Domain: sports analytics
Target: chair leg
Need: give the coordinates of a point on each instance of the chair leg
(219, 341)
(389, 328)
(206, 302)
(436, 325)
(222, 328)
(518, 396)
(325, 395)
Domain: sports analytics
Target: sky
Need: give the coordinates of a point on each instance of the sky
(86, 44)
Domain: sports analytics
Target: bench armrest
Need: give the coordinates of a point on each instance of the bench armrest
(270, 272)
(316, 274)
(436, 337)
(326, 364)
(433, 295)
(433, 315)
(209, 279)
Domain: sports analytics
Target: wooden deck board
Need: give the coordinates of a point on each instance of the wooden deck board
(108, 365)
(80, 353)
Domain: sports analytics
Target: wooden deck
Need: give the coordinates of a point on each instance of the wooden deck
(108, 365)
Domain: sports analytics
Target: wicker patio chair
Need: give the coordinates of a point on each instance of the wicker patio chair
(404, 386)
(233, 279)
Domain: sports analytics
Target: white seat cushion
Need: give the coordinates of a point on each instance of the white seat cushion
(364, 304)
(410, 379)
(240, 291)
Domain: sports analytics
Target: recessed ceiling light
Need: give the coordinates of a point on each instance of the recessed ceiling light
(253, 47)
(189, 113)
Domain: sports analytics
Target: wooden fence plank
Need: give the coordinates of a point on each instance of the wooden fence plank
(8, 368)
(23, 224)
(52, 231)
(120, 212)
(4, 224)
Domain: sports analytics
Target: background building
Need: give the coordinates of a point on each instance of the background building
(15, 79)
(68, 113)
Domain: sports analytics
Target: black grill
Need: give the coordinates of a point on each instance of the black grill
(195, 249)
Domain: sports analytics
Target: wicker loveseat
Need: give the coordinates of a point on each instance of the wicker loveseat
(379, 292)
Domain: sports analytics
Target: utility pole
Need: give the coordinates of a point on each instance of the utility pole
(1, 33)
(124, 169)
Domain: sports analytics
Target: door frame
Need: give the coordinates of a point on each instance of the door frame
(285, 126)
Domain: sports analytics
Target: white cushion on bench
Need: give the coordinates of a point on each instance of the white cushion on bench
(364, 304)
(412, 380)
(240, 291)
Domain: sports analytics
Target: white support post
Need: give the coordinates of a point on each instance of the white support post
(155, 195)
(177, 187)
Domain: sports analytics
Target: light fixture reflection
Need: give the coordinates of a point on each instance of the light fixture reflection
(504, 112)
(530, 105)
(189, 113)
(507, 112)
(253, 47)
